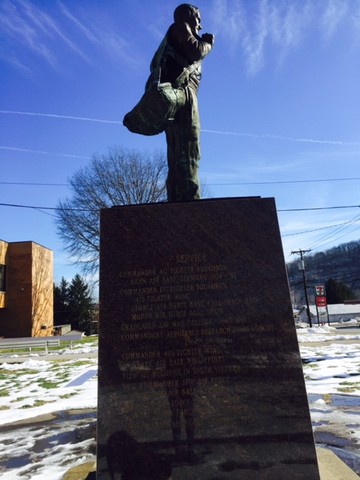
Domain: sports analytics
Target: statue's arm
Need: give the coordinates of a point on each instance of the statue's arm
(191, 46)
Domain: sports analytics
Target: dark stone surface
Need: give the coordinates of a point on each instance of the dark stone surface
(199, 368)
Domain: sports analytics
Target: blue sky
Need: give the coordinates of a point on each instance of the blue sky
(279, 105)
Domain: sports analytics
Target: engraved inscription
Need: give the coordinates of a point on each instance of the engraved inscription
(178, 315)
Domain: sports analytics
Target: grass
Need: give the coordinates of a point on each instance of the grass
(4, 374)
(349, 387)
(43, 383)
(27, 371)
(37, 403)
(56, 366)
(68, 395)
(13, 351)
(34, 382)
(81, 363)
(327, 398)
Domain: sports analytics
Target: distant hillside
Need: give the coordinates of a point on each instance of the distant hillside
(341, 263)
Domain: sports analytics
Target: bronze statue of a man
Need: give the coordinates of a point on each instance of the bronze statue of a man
(175, 74)
(179, 59)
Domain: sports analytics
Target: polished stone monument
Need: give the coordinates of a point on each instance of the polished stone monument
(199, 369)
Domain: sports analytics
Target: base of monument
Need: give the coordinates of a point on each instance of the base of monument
(197, 345)
(330, 466)
(84, 471)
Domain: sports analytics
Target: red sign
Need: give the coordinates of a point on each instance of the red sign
(320, 301)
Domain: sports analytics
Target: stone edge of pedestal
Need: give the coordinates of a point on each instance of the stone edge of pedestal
(330, 467)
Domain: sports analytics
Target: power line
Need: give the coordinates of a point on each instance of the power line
(332, 239)
(320, 228)
(280, 182)
(88, 209)
(316, 208)
(13, 205)
(338, 230)
(354, 220)
(287, 181)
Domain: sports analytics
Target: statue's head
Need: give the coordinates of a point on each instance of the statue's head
(189, 14)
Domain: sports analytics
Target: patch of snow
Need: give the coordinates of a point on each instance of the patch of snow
(330, 368)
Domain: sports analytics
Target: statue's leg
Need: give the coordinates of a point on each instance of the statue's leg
(187, 165)
(173, 153)
(183, 152)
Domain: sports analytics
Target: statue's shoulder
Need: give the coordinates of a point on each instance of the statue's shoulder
(179, 31)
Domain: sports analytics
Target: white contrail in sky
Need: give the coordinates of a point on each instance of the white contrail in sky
(42, 152)
(68, 117)
(281, 137)
(217, 132)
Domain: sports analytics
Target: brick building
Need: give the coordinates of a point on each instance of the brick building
(26, 290)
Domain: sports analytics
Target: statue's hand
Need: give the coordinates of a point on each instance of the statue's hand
(208, 38)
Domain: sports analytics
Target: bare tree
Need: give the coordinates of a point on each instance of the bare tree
(120, 177)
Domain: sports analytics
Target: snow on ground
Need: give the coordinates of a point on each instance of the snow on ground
(40, 389)
(331, 366)
(323, 334)
(38, 386)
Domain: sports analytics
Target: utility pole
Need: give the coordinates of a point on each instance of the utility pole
(302, 267)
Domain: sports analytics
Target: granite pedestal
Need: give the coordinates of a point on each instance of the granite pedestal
(199, 369)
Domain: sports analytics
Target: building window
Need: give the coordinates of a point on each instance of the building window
(2, 278)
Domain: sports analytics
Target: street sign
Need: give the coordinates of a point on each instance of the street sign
(320, 290)
(320, 301)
